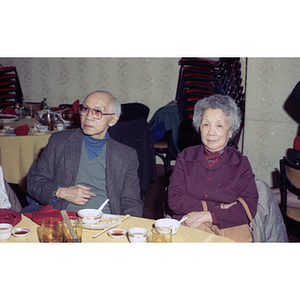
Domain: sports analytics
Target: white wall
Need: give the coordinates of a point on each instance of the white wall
(269, 127)
(152, 81)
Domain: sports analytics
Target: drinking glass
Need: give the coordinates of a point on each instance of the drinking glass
(161, 235)
(51, 230)
(77, 225)
(30, 111)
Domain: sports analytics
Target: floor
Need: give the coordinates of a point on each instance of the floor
(155, 198)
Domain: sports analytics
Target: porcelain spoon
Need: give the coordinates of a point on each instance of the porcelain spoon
(101, 207)
(182, 220)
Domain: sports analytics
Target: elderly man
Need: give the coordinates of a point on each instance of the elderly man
(81, 168)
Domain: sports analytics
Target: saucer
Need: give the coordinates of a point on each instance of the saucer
(117, 233)
(20, 232)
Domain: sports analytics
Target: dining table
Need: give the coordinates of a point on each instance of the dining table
(18, 153)
(184, 235)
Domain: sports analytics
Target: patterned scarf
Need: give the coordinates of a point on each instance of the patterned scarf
(212, 158)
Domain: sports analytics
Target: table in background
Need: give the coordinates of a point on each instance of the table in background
(18, 153)
(184, 234)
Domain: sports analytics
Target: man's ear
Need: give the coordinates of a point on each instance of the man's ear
(114, 120)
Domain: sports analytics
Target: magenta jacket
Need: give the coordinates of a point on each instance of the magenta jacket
(231, 177)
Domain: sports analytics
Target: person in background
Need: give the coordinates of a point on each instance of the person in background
(83, 167)
(8, 198)
(213, 171)
(296, 93)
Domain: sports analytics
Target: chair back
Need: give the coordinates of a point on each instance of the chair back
(293, 175)
(134, 110)
(290, 181)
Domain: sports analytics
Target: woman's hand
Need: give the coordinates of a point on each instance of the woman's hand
(196, 218)
(78, 194)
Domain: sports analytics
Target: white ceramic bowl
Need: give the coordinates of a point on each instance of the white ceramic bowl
(89, 215)
(43, 128)
(68, 123)
(137, 235)
(60, 126)
(169, 223)
(5, 231)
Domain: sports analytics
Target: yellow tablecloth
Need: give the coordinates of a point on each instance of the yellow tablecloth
(184, 234)
(18, 153)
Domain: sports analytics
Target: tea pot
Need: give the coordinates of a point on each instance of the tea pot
(49, 120)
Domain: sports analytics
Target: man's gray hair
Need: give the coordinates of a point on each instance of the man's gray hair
(115, 106)
(223, 102)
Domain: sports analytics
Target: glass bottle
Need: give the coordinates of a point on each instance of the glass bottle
(23, 108)
(44, 104)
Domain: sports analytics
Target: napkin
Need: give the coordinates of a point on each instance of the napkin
(22, 130)
(10, 216)
(8, 111)
(46, 212)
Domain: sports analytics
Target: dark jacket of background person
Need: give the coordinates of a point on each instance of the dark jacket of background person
(59, 162)
(231, 177)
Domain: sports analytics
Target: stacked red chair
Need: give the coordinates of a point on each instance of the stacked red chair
(200, 78)
(10, 87)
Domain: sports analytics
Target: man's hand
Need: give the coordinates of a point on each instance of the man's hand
(78, 194)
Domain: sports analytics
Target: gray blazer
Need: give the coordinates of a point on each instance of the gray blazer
(59, 163)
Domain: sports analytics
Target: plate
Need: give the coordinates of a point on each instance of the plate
(6, 118)
(117, 233)
(106, 220)
(20, 232)
(40, 133)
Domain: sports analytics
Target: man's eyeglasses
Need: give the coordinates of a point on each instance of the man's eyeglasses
(96, 113)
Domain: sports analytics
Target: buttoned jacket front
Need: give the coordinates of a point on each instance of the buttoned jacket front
(231, 177)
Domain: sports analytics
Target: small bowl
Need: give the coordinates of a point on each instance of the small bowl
(5, 231)
(43, 128)
(59, 126)
(137, 235)
(169, 223)
(68, 123)
(89, 215)
(117, 233)
(20, 232)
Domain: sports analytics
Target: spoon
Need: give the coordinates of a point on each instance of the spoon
(101, 207)
(182, 220)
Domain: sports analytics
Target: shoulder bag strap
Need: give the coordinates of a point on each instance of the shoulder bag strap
(242, 201)
(204, 204)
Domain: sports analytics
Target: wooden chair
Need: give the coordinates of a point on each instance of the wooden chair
(165, 149)
(290, 181)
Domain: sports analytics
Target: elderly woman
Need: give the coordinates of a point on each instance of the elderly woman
(213, 172)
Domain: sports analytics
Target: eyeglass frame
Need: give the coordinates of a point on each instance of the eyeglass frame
(92, 109)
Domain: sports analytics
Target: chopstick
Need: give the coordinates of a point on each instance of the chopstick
(112, 226)
(207, 239)
(70, 226)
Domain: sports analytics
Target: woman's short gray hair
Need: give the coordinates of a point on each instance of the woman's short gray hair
(222, 102)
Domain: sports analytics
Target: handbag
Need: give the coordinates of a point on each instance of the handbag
(240, 233)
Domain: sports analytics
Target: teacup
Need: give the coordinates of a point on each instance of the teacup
(137, 235)
(60, 126)
(5, 231)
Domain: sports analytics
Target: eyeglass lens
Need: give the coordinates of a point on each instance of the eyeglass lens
(95, 112)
